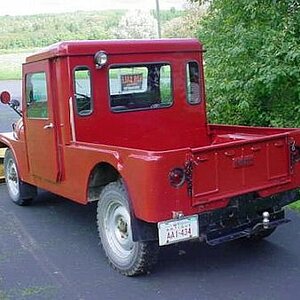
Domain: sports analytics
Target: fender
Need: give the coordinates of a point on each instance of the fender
(7, 140)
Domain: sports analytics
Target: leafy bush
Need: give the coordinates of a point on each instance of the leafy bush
(252, 61)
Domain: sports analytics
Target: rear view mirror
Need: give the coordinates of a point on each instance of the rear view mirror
(13, 103)
(5, 97)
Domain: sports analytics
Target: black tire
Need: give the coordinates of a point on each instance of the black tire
(15, 185)
(114, 225)
(260, 235)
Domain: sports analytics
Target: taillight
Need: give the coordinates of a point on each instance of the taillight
(177, 177)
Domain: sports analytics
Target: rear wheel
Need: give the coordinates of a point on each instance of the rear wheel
(13, 181)
(114, 225)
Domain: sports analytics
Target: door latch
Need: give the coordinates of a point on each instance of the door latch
(49, 126)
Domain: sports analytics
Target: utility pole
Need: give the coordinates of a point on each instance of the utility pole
(158, 19)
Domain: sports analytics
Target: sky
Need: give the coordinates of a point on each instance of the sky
(30, 7)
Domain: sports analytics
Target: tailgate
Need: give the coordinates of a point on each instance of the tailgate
(227, 170)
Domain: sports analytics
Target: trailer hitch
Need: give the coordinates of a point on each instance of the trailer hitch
(242, 231)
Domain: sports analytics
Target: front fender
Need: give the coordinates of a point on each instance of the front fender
(7, 140)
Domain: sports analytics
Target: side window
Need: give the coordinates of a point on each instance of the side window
(166, 85)
(36, 95)
(82, 91)
(137, 87)
(193, 83)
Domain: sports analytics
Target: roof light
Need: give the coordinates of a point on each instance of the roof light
(100, 59)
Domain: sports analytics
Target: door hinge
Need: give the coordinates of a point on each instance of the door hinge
(188, 170)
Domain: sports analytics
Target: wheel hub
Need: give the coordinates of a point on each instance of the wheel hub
(122, 227)
(12, 175)
(118, 231)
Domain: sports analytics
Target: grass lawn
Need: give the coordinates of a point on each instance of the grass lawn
(295, 206)
(11, 63)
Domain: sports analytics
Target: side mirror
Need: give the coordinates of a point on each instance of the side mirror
(5, 97)
(13, 103)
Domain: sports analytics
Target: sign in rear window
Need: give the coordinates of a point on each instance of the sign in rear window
(131, 82)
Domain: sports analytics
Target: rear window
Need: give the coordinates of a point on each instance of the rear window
(193, 83)
(139, 87)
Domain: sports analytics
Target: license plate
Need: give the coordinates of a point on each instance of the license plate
(174, 231)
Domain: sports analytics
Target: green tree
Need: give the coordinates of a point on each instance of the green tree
(252, 61)
(43, 30)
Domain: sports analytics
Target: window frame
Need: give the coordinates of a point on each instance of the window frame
(139, 64)
(199, 82)
(47, 95)
(80, 67)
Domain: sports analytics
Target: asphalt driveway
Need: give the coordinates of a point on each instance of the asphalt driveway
(51, 251)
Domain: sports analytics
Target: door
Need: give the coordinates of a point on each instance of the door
(40, 127)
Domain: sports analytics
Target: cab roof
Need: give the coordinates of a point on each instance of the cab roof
(72, 48)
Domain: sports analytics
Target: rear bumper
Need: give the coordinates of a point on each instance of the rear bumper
(241, 218)
(246, 230)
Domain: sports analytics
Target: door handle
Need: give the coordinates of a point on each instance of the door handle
(49, 126)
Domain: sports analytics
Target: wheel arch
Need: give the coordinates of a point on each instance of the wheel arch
(26, 191)
(5, 146)
(101, 174)
(9, 146)
(104, 173)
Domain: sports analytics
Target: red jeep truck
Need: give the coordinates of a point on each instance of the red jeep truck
(124, 123)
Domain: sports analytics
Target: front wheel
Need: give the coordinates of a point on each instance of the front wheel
(13, 181)
(114, 225)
